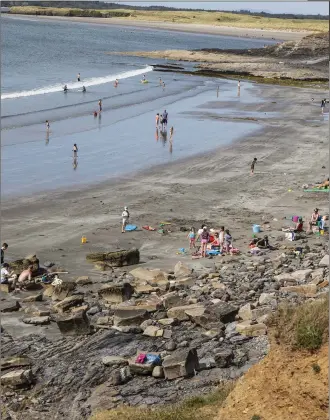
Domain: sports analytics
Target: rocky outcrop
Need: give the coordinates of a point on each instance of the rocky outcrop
(115, 258)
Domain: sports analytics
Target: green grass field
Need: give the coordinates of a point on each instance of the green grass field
(187, 17)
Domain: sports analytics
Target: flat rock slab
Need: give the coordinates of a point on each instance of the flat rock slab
(10, 306)
(13, 362)
(33, 298)
(129, 317)
(116, 293)
(37, 320)
(179, 312)
(69, 302)
(254, 330)
(83, 280)
(114, 360)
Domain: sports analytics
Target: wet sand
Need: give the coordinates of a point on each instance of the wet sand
(182, 27)
(215, 187)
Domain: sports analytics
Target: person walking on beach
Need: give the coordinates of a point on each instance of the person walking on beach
(125, 219)
(165, 119)
(157, 120)
(163, 85)
(171, 132)
(75, 150)
(47, 125)
(239, 84)
(160, 81)
(253, 165)
(78, 77)
(323, 105)
(100, 105)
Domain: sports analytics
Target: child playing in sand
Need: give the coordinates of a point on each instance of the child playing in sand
(253, 165)
(228, 241)
(192, 238)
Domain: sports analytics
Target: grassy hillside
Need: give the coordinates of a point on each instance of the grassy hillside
(188, 17)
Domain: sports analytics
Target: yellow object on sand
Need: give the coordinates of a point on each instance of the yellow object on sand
(83, 239)
(290, 190)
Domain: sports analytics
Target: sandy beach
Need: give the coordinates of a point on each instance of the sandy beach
(181, 27)
(216, 188)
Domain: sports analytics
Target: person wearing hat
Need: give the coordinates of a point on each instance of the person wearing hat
(125, 219)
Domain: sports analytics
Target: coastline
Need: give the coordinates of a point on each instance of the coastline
(179, 27)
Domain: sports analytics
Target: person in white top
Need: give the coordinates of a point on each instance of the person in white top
(221, 237)
(125, 219)
(8, 277)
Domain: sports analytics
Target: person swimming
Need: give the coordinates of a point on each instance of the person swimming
(65, 89)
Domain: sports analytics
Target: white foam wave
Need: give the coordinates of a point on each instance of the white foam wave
(77, 85)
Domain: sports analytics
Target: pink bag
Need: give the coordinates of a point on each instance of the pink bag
(141, 358)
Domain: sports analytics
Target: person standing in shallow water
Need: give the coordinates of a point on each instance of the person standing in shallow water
(78, 77)
(100, 105)
(75, 150)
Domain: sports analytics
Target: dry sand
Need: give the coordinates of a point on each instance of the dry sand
(291, 147)
(182, 27)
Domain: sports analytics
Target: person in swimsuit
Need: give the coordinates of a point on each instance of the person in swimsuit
(165, 118)
(144, 77)
(157, 120)
(65, 89)
(47, 125)
(116, 83)
(239, 84)
(253, 165)
(171, 131)
(100, 105)
(84, 89)
(160, 81)
(221, 237)
(75, 150)
(78, 77)
(192, 238)
(205, 237)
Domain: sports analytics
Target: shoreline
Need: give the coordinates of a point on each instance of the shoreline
(177, 190)
(179, 27)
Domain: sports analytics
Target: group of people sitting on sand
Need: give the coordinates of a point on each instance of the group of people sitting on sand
(210, 240)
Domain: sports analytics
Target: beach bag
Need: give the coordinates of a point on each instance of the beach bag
(153, 359)
(141, 358)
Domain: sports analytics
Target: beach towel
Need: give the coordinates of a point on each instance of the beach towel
(148, 228)
(129, 228)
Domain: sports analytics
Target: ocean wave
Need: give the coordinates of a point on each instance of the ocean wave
(77, 85)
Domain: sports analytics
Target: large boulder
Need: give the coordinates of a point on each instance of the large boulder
(17, 378)
(301, 275)
(63, 290)
(245, 312)
(153, 277)
(129, 317)
(116, 293)
(181, 270)
(224, 311)
(182, 363)
(266, 298)
(116, 258)
(69, 302)
(74, 324)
